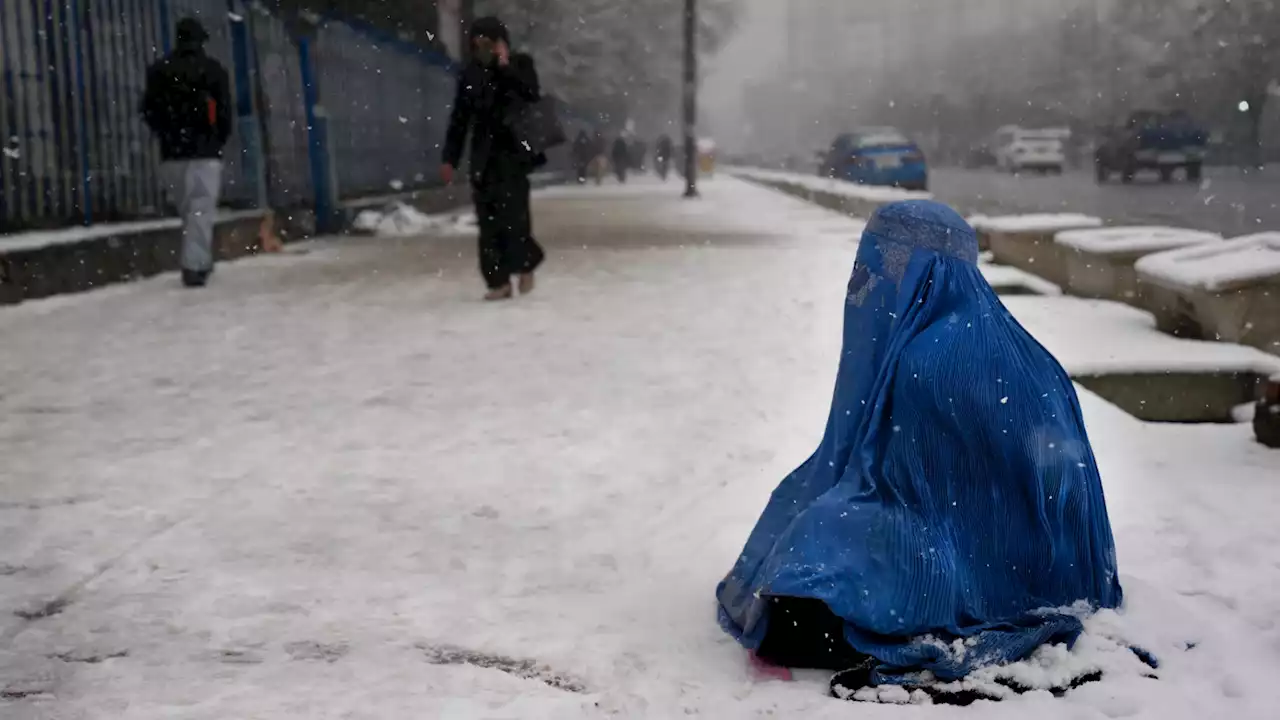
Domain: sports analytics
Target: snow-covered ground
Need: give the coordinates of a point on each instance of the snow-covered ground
(402, 220)
(313, 488)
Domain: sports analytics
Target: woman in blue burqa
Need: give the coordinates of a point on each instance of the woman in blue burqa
(953, 517)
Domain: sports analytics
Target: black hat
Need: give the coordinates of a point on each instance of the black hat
(190, 30)
(489, 27)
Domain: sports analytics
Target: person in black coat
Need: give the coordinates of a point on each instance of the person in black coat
(662, 155)
(582, 156)
(187, 106)
(490, 90)
(621, 159)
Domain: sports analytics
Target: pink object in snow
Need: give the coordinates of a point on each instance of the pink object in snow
(763, 670)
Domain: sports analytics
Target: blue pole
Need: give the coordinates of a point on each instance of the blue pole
(247, 124)
(7, 203)
(166, 28)
(317, 136)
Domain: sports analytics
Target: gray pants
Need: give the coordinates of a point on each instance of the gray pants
(193, 185)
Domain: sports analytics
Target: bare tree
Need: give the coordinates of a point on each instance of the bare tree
(619, 54)
(1239, 44)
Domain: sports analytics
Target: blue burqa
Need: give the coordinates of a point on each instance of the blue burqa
(954, 496)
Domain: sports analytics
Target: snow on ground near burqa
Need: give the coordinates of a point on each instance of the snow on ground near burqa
(294, 494)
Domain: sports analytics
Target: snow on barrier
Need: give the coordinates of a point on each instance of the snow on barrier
(1228, 291)
(1026, 241)
(860, 201)
(1117, 352)
(1099, 262)
(41, 264)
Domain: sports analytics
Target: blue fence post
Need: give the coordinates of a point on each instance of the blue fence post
(10, 181)
(322, 178)
(166, 27)
(247, 124)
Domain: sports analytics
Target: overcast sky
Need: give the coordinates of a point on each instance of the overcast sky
(759, 48)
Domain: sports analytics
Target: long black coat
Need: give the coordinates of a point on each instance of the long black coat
(485, 101)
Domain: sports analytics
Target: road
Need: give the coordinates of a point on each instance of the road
(1228, 200)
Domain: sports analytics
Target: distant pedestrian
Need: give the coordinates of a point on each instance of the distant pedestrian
(582, 155)
(621, 159)
(662, 156)
(491, 90)
(187, 106)
(599, 158)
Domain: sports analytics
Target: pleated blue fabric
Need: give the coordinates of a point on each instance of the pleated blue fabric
(953, 515)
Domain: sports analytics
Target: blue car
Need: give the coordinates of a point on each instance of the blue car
(877, 156)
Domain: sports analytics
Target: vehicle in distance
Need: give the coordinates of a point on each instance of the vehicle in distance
(1150, 140)
(1020, 149)
(877, 156)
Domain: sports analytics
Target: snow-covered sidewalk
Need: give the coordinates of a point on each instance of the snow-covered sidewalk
(313, 488)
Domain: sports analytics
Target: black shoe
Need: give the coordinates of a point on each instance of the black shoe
(195, 278)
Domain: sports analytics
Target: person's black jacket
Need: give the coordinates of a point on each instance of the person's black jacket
(621, 154)
(582, 148)
(663, 150)
(486, 99)
(187, 104)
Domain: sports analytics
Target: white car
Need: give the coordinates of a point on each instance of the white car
(1020, 149)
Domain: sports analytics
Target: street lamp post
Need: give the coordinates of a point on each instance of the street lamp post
(690, 98)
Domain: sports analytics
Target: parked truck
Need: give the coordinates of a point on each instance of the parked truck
(1150, 140)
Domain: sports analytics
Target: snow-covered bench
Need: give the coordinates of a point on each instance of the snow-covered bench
(1026, 241)
(1228, 290)
(1099, 262)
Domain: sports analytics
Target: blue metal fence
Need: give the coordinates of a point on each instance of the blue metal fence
(325, 108)
(72, 72)
(387, 104)
(281, 112)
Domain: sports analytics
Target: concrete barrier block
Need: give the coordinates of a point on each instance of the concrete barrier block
(1174, 313)
(1100, 262)
(10, 292)
(1027, 241)
(1032, 251)
(1266, 416)
(1182, 397)
(238, 236)
(33, 271)
(102, 255)
(1232, 288)
(984, 239)
(112, 262)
